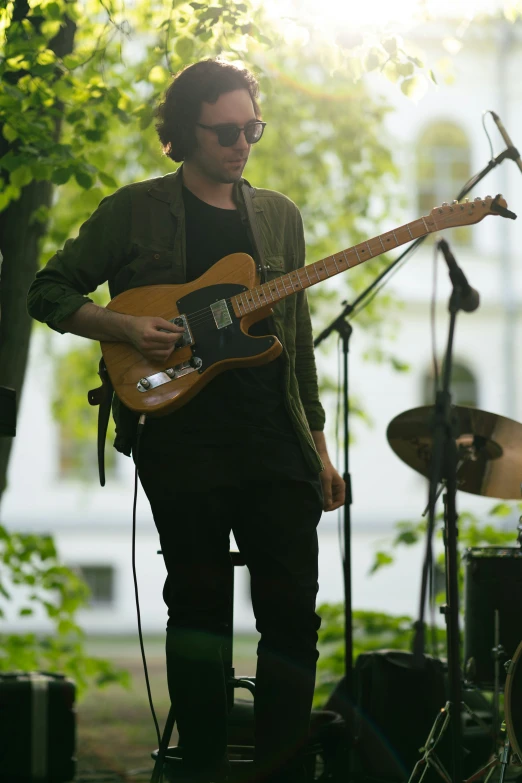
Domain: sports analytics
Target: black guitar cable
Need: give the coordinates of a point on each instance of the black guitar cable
(141, 425)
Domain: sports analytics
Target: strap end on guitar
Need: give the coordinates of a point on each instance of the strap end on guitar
(102, 396)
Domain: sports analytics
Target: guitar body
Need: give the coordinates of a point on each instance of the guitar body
(215, 339)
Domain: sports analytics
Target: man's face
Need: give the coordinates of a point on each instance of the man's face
(223, 164)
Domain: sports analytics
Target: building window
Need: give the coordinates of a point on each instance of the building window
(100, 581)
(443, 168)
(464, 386)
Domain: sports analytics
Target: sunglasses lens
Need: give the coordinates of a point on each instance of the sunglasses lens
(254, 132)
(228, 135)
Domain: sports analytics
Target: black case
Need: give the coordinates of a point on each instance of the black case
(37, 728)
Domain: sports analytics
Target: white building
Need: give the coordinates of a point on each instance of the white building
(439, 142)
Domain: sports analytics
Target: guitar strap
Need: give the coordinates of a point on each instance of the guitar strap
(103, 395)
(254, 229)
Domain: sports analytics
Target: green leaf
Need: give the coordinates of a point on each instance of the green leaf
(158, 75)
(405, 69)
(4, 592)
(51, 28)
(17, 63)
(75, 116)
(184, 47)
(381, 559)
(414, 87)
(372, 61)
(21, 176)
(60, 176)
(146, 118)
(107, 180)
(390, 45)
(53, 11)
(399, 365)
(9, 133)
(46, 57)
(501, 510)
(93, 135)
(83, 179)
(26, 612)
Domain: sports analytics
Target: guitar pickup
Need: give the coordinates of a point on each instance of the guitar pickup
(170, 374)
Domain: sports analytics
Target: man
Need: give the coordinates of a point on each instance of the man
(248, 453)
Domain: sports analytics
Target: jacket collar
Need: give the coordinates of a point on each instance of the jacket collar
(169, 189)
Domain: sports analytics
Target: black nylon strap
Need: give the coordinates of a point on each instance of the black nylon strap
(102, 396)
(256, 237)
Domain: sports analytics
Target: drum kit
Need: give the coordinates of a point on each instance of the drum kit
(488, 463)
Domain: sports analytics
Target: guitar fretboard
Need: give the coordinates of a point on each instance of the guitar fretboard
(310, 275)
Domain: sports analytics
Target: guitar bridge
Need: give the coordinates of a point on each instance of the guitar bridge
(185, 338)
(170, 374)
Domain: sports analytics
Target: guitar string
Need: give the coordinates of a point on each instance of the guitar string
(205, 313)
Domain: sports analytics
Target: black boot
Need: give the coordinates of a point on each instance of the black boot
(196, 682)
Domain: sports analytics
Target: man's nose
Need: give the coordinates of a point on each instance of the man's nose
(242, 143)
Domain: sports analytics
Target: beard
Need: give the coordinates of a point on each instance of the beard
(215, 170)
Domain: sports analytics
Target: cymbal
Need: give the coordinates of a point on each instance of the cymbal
(489, 449)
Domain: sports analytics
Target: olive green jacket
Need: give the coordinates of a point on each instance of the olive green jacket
(136, 237)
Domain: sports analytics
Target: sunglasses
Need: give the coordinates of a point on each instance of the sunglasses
(228, 134)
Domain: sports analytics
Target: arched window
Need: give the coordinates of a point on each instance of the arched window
(464, 386)
(443, 167)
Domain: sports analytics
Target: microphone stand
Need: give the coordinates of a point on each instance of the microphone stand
(444, 469)
(344, 328)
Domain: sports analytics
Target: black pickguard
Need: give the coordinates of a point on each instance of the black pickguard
(211, 344)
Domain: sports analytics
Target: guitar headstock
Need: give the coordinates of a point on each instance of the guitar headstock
(466, 212)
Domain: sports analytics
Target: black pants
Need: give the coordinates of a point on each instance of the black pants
(274, 525)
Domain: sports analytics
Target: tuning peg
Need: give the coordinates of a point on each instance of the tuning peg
(454, 201)
(444, 203)
(466, 200)
(478, 198)
(489, 196)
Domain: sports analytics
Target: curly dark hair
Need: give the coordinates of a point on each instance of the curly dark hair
(200, 83)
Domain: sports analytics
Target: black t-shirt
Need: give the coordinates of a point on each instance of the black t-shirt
(237, 426)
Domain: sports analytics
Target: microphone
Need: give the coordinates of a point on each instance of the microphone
(470, 298)
(516, 154)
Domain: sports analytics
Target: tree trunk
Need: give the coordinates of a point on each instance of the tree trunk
(20, 248)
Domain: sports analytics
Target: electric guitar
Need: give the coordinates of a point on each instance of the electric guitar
(218, 308)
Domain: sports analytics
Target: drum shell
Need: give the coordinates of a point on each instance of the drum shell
(493, 581)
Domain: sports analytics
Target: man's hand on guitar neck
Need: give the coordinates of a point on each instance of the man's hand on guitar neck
(152, 336)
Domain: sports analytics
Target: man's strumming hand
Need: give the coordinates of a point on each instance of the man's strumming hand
(146, 334)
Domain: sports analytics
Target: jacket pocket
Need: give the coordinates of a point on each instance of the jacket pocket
(146, 266)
